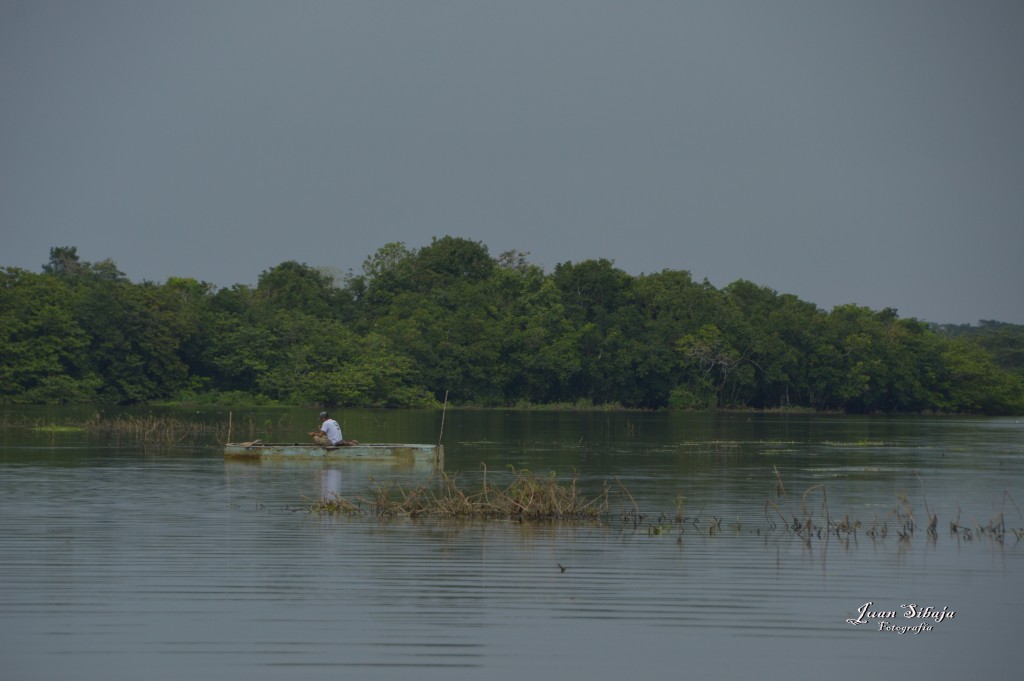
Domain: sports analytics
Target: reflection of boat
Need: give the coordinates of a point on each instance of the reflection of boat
(433, 454)
(353, 469)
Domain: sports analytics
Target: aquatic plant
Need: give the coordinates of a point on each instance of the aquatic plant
(528, 497)
(334, 504)
(52, 428)
(149, 429)
(158, 429)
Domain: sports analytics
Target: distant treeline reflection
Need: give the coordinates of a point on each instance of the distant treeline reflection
(449, 319)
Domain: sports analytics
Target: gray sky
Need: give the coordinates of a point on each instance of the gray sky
(867, 152)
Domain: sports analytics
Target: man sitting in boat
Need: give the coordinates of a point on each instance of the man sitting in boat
(329, 434)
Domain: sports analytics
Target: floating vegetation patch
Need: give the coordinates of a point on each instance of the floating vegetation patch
(861, 443)
(52, 428)
(528, 497)
(712, 444)
(762, 447)
(806, 517)
(41, 425)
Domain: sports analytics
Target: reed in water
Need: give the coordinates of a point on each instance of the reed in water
(527, 497)
(149, 429)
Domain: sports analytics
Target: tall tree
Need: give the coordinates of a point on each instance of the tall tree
(44, 351)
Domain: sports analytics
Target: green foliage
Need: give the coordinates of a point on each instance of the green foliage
(1004, 342)
(417, 325)
(44, 350)
(294, 286)
(63, 261)
(973, 383)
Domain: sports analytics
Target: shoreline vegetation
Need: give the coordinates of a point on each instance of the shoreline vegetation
(531, 498)
(579, 406)
(448, 319)
(243, 401)
(582, 407)
(148, 429)
(245, 426)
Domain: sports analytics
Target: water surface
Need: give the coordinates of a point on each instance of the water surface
(126, 560)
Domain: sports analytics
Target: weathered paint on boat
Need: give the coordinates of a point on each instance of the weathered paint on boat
(367, 452)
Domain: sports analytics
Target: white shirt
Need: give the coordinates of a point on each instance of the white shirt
(332, 430)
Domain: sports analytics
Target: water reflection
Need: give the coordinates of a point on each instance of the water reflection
(330, 483)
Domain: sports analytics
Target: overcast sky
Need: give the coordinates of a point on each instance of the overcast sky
(867, 151)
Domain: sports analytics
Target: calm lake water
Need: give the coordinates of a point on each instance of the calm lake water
(121, 560)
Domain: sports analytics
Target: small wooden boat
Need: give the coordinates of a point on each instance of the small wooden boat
(433, 454)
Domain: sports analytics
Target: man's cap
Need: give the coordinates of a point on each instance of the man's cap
(323, 414)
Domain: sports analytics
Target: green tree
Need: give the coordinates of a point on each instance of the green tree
(448, 318)
(973, 383)
(134, 342)
(297, 286)
(43, 349)
(713, 362)
(63, 261)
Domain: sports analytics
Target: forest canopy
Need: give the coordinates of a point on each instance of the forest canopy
(448, 319)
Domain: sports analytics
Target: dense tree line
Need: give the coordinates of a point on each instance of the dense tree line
(449, 319)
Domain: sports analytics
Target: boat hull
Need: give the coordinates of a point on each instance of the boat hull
(418, 453)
